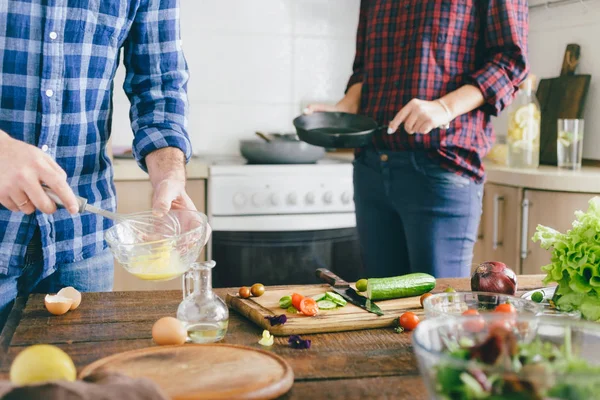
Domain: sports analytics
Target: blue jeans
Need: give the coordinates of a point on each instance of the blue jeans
(91, 275)
(414, 216)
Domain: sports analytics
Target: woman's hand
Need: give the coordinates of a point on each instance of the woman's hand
(421, 116)
(349, 104)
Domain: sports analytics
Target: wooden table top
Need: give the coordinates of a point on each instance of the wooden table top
(376, 363)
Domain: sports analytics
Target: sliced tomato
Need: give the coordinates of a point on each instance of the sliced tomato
(308, 306)
(296, 299)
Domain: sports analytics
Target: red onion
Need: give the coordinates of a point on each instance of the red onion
(495, 277)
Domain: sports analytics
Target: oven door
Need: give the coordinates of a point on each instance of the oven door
(284, 250)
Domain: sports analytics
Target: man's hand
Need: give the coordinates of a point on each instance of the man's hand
(23, 170)
(166, 168)
(420, 116)
(349, 104)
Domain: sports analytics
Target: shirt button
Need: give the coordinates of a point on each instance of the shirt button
(53, 35)
(49, 93)
(45, 148)
(384, 157)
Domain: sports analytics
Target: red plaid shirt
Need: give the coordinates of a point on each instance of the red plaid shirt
(427, 48)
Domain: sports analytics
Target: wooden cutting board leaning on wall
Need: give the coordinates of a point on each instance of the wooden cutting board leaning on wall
(561, 97)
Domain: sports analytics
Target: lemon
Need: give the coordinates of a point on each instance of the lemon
(42, 363)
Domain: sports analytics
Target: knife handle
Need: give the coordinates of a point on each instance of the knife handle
(327, 276)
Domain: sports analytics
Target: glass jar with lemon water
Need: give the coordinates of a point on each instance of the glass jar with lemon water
(523, 137)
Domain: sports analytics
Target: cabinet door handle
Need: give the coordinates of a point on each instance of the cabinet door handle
(524, 228)
(495, 242)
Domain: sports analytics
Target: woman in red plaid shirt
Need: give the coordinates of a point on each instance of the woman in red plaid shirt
(434, 72)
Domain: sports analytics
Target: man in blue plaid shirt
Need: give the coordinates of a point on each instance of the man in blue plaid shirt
(56, 82)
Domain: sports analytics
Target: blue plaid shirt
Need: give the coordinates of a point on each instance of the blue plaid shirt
(57, 64)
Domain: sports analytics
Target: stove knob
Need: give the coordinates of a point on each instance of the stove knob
(346, 198)
(310, 198)
(292, 199)
(328, 198)
(274, 199)
(239, 200)
(257, 199)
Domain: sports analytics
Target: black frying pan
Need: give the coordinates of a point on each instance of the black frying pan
(336, 129)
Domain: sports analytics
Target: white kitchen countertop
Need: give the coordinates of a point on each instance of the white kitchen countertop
(587, 180)
(546, 177)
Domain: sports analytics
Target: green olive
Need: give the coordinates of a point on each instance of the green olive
(257, 289)
(361, 285)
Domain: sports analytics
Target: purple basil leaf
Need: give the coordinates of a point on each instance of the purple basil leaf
(277, 320)
(297, 342)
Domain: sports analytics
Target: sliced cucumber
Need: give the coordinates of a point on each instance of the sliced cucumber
(400, 286)
(336, 298)
(326, 305)
(319, 297)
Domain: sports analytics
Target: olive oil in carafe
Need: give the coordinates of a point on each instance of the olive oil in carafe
(207, 332)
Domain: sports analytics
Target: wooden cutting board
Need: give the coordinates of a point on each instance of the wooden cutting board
(348, 318)
(204, 371)
(561, 97)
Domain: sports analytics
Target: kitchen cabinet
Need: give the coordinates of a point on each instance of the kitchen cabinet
(510, 217)
(500, 225)
(135, 196)
(553, 209)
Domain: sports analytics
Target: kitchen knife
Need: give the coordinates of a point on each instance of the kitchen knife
(343, 288)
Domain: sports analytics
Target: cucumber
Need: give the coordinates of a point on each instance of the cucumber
(400, 286)
(336, 298)
(319, 297)
(326, 305)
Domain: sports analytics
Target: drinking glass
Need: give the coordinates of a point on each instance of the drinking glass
(569, 143)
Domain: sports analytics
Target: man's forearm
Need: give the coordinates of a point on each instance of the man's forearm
(464, 99)
(166, 163)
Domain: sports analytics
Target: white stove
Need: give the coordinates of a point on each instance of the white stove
(276, 224)
(298, 197)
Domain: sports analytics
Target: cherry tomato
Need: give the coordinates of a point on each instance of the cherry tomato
(475, 323)
(505, 308)
(244, 292)
(426, 295)
(308, 306)
(296, 299)
(409, 321)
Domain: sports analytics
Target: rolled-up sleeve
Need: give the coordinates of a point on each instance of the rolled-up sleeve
(359, 58)
(505, 62)
(156, 80)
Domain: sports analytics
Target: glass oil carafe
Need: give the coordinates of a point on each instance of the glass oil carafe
(203, 313)
(523, 137)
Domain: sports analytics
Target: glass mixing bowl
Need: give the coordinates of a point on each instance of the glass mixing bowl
(494, 356)
(157, 256)
(443, 304)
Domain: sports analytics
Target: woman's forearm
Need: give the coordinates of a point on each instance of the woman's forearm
(351, 102)
(462, 100)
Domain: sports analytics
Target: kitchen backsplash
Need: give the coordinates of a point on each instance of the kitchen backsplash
(255, 63)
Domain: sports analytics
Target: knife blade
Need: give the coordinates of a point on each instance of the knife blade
(341, 287)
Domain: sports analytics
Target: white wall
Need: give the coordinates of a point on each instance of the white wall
(550, 31)
(254, 64)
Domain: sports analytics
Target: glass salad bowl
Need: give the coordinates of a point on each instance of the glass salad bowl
(509, 356)
(456, 303)
(160, 254)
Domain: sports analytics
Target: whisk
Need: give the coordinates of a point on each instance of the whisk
(143, 224)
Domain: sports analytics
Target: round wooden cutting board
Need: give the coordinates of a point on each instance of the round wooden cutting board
(204, 371)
